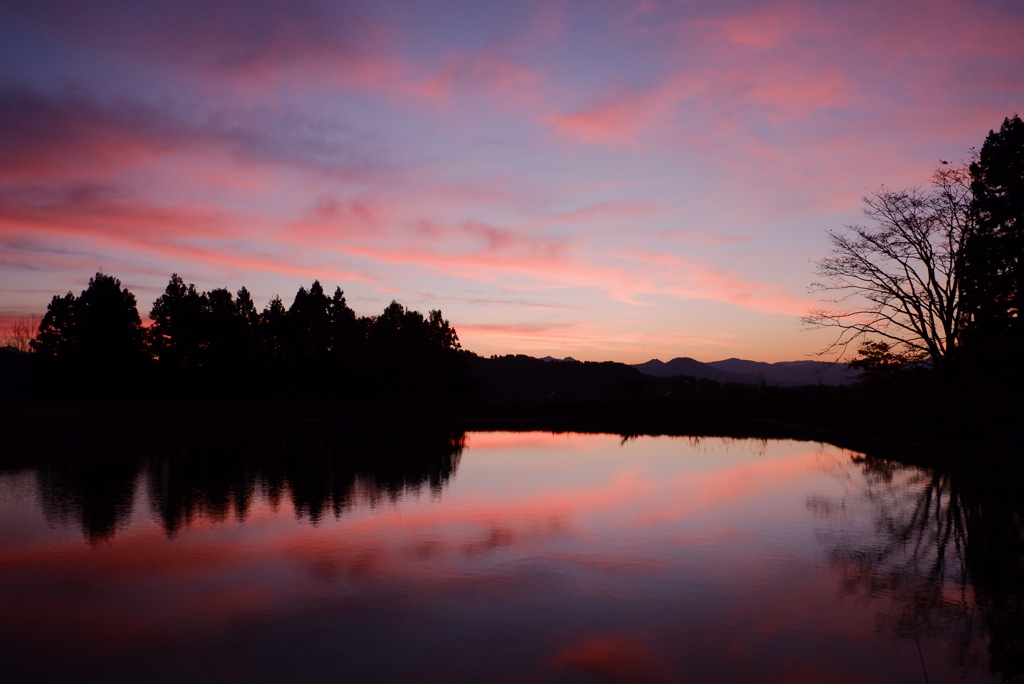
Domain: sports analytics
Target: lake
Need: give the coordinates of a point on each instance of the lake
(507, 557)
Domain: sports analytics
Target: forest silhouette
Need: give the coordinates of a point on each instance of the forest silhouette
(216, 345)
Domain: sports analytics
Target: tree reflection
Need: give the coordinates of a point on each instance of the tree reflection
(213, 481)
(946, 555)
(96, 495)
(321, 474)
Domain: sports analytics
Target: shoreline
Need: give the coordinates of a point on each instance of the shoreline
(982, 431)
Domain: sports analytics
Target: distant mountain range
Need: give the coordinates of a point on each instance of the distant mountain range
(739, 371)
(782, 374)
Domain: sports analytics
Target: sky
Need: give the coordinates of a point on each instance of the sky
(604, 180)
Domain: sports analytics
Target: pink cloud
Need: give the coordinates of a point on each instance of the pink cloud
(484, 253)
(606, 211)
(625, 115)
(331, 219)
(799, 56)
(508, 84)
(808, 97)
(97, 212)
(73, 138)
(175, 234)
(534, 335)
(760, 28)
(615, 122)
(49, 138)
(795, 95)
(702, 238)
(686, 279)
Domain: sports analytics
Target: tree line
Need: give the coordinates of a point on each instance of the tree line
(935, 281)
(217, 344)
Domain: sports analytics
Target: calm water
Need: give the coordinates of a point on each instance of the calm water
(507, 557)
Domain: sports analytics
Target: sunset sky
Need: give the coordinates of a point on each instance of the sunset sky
(607, 180)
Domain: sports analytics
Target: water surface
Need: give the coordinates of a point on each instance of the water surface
(506, 557)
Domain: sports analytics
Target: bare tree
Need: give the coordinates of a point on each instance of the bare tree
(899, 278)
(22, 332)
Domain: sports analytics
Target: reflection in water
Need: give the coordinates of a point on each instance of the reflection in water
(546, 558)
(321, 476)
(945, 555)
(97, 495)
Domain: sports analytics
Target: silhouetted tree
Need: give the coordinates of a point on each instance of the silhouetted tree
(878, 363)
(177, 335)
(55, 337)
(442, 335)
(309, 325)
(94, 340)
(396, 351)
(107, 324)
(227, 358)
(348, 341)
(902, 275)
(246, 309)
(272, 331)
(248, 322)
(416, 357)
(994, 264)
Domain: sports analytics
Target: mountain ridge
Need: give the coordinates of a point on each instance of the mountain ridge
(742, 371)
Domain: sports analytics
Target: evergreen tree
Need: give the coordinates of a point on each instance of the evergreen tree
(442, 335)
(226, 332)
(309, 324)
(56, 333)
(177, 336)
(246, 308)
(247, 314)
(106, 322)
(93, 342)
(994, 258)
(347, 344)
(272, 331)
